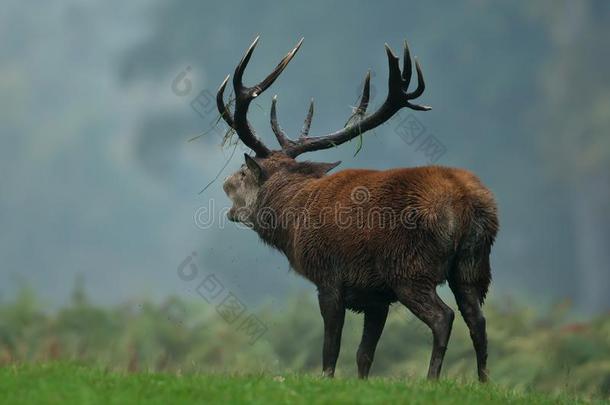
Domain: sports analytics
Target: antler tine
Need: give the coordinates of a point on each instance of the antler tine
(241, 67)
(283, 140)
(406, 66)
(268, 81)
(394, 70)
(421, 85)
(222, 107)
(254, 91)
(418, 107)
(397, 98)
(307, 123)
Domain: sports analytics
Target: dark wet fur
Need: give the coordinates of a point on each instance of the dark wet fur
(366, 269)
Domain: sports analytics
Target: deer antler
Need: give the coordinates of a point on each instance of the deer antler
(398, 97)
(244, 95)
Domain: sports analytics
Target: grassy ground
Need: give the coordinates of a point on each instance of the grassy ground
(68, 383)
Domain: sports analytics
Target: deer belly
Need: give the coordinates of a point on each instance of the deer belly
(358, 299)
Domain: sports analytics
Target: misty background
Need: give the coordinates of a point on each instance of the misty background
(98, 179)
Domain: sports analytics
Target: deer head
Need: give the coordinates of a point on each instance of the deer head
(242, 186)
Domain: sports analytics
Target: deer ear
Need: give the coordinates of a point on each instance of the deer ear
(327, 167)
(255, 168)
(318, 169)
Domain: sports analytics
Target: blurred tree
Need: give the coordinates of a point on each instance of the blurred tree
(576, 138)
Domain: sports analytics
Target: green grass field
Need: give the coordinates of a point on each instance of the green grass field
(69, 383)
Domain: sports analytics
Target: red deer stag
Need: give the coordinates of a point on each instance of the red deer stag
(366, 238)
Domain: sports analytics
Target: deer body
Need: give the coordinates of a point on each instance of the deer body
(331, 234)
(367, 238)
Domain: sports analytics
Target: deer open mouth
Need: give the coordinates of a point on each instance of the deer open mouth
(231, 215)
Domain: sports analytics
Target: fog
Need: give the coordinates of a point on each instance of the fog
(100, 99)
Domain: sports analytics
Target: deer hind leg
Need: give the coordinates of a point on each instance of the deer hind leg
(332, 309)
(469, 282)
(374, 321)
(423, 301)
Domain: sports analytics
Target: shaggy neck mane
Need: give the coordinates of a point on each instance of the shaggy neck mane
(280, 205)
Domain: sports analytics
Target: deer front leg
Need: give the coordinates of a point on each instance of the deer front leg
(332, 309)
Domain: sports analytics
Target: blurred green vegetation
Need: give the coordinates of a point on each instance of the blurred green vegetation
(70, 383)
(549, 352)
